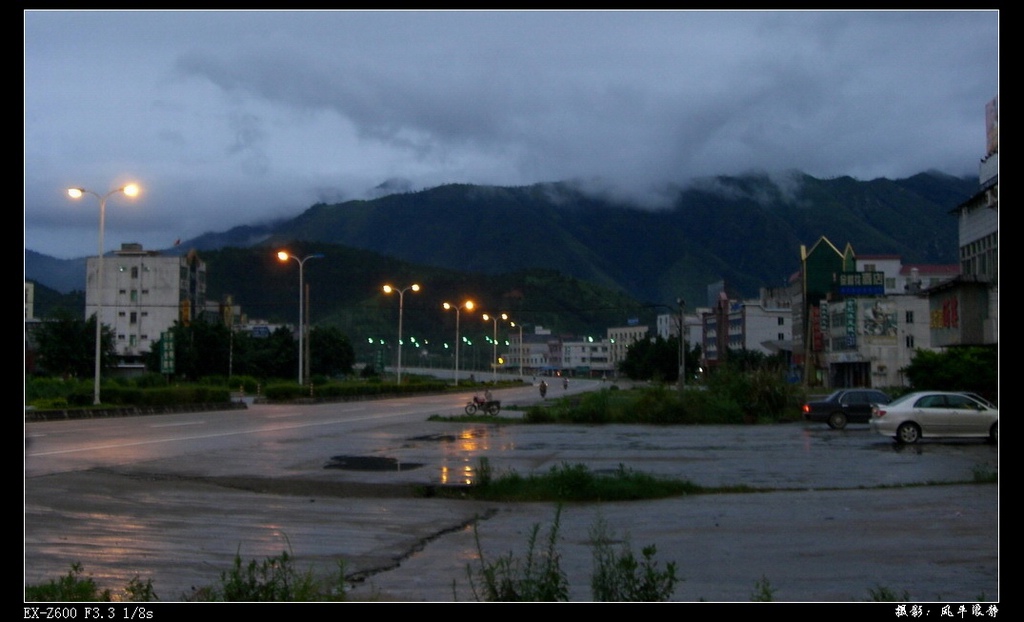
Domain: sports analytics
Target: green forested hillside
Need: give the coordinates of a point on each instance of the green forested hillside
(745, 230)
(496, 243)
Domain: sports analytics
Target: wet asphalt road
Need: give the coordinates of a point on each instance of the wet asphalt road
(840, 514)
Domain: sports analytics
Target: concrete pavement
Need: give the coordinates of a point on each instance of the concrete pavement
(839, 514)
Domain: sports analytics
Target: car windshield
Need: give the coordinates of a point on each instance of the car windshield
(978, 398)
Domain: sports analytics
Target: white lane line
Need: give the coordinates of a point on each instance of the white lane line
(219, 434)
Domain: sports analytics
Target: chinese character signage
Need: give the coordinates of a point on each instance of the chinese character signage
(862, 283)
(167, 352)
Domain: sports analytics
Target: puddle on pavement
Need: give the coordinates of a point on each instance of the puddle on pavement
(455, 469)
(370, 463)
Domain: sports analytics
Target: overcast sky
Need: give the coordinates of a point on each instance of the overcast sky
(230, 118)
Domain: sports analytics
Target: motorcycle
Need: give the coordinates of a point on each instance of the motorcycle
(490, 407)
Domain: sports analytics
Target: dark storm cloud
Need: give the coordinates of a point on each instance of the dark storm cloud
(232, 117)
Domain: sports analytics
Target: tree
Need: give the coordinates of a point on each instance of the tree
(67, 345)
(330, 352)
(969, 368)
(658, 359)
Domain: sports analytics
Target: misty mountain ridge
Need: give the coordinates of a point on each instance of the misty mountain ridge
(746, 230)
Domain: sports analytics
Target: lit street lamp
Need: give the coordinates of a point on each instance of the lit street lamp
(494, 344)
(130, 190)
(284, 256)
(468, 305)
(401, 296)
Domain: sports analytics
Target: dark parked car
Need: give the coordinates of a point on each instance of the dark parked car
(845, 406)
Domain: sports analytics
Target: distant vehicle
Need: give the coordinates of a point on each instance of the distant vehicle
(844, 406)
(938, 414)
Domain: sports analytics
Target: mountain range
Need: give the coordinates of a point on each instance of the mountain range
(744, 230)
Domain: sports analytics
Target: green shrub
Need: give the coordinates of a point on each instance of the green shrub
(619, 577)
(536, 578)
(274, 579)
(887, 595)
(763, 591)
(72, 587)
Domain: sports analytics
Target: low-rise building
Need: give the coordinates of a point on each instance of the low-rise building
(143, 294)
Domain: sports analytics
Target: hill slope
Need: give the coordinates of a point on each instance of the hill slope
(746, 230)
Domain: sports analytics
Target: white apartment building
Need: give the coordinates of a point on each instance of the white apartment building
(620, 338)
(143, 294)
(762, 325)
(588, 357)
(666, 326)
(869, 340)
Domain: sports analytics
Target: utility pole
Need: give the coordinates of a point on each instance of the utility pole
(682, 344)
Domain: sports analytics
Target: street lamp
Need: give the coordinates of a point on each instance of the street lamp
(494, 344)
(468, 305)
(401, 296)
(682, 343)
(130, 190)
(284, 256)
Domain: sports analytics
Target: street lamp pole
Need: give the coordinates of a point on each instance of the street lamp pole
(401, 304)
(284, 256)
(130, 190)
(513, 324)
(682, 343)
(494, 345)
(468, 305)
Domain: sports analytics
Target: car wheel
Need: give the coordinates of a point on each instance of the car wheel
(908, 433)
(837, 421)
(993, 433)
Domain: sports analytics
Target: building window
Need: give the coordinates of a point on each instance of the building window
(135, 295)
(135, 272)
(910, 341)
(910, 317)
(134, 318)
(780, 337)
(782, 321)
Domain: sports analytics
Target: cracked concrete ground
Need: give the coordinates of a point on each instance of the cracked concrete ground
(839, 516)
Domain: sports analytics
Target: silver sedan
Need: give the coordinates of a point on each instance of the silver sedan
(936, 414)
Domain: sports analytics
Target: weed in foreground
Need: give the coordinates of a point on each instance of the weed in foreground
(536, 578)
(882, 594)
(72, 587)
(274, 579)
(763, 591)
(619, 577)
